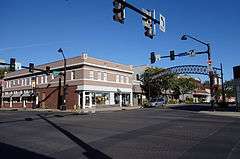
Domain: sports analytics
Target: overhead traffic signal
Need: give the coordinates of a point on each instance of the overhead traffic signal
(149, 26)
(31, 67)
(119, 11)
(152, 57)
(48, 70)
(12, 64)
(172, 55)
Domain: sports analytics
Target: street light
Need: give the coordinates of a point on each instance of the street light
(211, 80)
(63, 106)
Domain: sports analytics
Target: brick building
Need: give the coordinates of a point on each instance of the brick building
(90, 82)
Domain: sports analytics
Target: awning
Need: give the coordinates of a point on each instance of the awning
(27, 94)
(16, 95)
(6, 95)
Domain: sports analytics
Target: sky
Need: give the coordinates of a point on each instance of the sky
(33, 31)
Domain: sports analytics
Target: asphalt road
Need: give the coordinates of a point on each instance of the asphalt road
(143, 133)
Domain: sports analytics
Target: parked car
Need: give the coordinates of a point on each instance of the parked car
(156, 102)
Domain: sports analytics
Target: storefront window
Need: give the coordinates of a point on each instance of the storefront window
(102, 98)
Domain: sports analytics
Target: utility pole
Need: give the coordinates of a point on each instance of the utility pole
(63, 106)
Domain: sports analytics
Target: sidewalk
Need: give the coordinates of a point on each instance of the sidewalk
(93, 110)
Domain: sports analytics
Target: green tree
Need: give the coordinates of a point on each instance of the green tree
(229, 88)
(155, 87)
(2, 71)
(184, 85)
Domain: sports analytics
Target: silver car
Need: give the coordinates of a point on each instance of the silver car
(156, 102)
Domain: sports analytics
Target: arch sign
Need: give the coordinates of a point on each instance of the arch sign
(188, 69)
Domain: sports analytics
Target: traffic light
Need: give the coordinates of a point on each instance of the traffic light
(149, 26)
(172, 55)
(31, 67)
(48, 70)
(12, 64)
(138, 77)
(152, 57)
(119, 11)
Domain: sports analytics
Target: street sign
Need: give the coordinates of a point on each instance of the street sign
(192, 53)
(162, 24)
(158, 57)
(55, 73)
(18, 66)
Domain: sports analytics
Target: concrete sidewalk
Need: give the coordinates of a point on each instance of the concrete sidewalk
(93, 110)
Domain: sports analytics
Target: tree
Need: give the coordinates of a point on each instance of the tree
(156, 87)
(184, 85)
(229, 88)
(2, 71)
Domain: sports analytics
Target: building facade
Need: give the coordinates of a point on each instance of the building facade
(89, 81)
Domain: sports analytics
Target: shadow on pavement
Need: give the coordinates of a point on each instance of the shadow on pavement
(90, 153)
(205, 107)
(9, 151)
(47, 115)
(192, 107)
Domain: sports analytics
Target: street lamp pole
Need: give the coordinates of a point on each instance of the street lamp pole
(211, 80)
(63, 107)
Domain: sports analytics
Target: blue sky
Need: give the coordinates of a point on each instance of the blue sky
(32, 31)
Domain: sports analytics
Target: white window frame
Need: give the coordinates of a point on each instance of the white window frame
(122, 79)
(73, 75)
(99, 76)
(127, 79)
(41, 79)
(104, 76)
(117, 78)
(91, 74)
(45, 79)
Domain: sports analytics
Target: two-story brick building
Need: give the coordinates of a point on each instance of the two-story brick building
(90, 82)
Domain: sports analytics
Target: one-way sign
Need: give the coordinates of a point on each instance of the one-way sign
(162, 24)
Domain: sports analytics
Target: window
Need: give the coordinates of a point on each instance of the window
(45, 78)
(13, 83)
(36, 80)
(25, 81)
(30, 81)
(99, 75)
(91, 75)
(18, 82)
(41, 79)
(7, 84)
(105, 76)
(117, 78)
(52, 76)
(122, 79)
(73, 75)
(127, 79)
(22, 82)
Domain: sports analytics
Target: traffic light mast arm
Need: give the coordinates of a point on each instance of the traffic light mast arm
(184, 54)
(130, 6)
(35, 69)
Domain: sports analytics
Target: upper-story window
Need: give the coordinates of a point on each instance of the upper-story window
(25, 81)
(13, 83)
(127, 79)
(105, 76)
(91, 75)
(30, 81)
(41, 79)
(122, 79)
(36, 80)
(73, 75)
(45, 78)
(18, 82)
(99, 76)
(117, 78)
